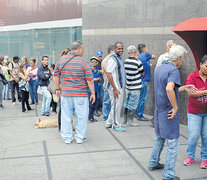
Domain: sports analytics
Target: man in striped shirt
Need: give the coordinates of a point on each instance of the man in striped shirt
(72, 78)
(133, 69)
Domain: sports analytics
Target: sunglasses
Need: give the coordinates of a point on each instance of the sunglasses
(94, 61)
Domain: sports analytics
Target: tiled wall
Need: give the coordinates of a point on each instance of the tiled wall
(141, 21)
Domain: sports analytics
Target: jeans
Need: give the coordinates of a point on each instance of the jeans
(33, 86)
(99, 97)
(15, 85)
(6, 90)
(131, 100)
(46, 99)
(142, 99)
(170, 158)
(92, 107)
(81, 107)
(106, 103)
(1, 91)
(197, 126)
(116, 105)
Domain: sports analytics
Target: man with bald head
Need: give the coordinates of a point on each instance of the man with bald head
(72, 78)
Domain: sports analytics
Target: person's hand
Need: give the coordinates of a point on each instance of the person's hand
(58, 93)
(101, 71)
(93, 98)
(172, 113)
(16, 80)
(99, 79)
(116, 93)
(30, 73)
(190, 88)
(47, 75)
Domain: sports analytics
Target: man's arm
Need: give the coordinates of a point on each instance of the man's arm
(91, 87)
(153, 56)
(111, 81)
(171, 96)
(57, 85)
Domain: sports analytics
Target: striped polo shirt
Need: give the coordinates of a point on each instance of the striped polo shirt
(133, 69)
(74, 75)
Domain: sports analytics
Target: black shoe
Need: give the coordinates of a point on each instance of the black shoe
(175, 178)
(142, 119)
(47, 114)
(1, 106)
(159, 166)
(92, 120)
(97, 114)
(32, 103)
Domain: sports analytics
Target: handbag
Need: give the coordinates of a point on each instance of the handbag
(51, 87)
(5, 82)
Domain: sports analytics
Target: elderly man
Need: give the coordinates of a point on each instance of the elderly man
(165, 57)
(116, 77)
(166, 117)
(106, 101)
(74, 73)
(134, 70)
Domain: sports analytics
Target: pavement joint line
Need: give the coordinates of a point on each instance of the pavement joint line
(73, 153)
(199, 178)
(131, 156)
(49, 172)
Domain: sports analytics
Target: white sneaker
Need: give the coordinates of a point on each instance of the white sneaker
(13, 103)
(67, 141)
(78, 141)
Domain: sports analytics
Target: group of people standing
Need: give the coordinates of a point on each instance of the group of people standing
(24, 79)
(126, 84)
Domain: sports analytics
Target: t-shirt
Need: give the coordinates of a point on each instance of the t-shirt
(112, 67)
(74, 75)
(133, 69)
(197, 105)
(15, 69)
(96, 74)
(104, 67)
(33, 71)
(166, 128)
(163, 58)
(145, 57)
(7, 76)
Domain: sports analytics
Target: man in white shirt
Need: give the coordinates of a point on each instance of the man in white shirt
(165, 57)
(116, 77)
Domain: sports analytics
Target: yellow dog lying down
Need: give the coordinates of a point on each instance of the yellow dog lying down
(46, 123)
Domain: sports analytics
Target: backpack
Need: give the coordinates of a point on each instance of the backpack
(12, 68)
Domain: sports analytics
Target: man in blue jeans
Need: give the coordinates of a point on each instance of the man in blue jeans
(144, 57)
(106, 101)
(72, 78)
(44, 75)
(166, 117)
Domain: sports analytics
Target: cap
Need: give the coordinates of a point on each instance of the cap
(94, 57)
(99, 53)
(16, 57)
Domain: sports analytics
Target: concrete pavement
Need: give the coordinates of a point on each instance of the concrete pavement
(27, 153)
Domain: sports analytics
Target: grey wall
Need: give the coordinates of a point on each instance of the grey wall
(140, 21)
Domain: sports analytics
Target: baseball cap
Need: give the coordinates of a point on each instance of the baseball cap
(16, 57)
(99, 53)
(94, 57)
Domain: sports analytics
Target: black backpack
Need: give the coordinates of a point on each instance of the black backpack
(12, 68)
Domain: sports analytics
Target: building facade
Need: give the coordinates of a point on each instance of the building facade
(34, 28)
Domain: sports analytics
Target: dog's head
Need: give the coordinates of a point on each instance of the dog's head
(38, 121)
